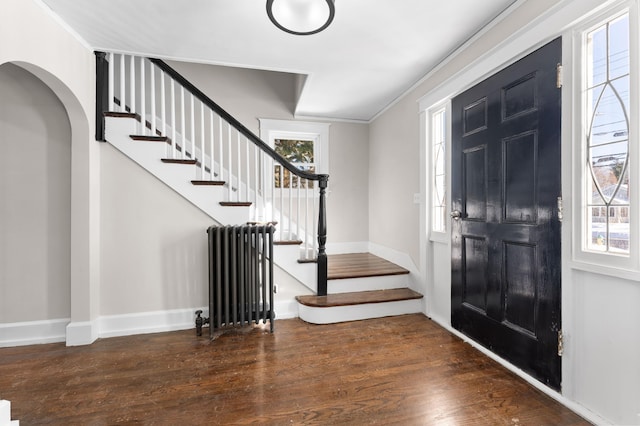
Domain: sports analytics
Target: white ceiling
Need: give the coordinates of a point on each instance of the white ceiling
(368, 57)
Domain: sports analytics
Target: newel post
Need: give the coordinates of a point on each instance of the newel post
(102, 93)
(322, 237)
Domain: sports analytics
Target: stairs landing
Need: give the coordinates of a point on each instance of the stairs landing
(361, 286)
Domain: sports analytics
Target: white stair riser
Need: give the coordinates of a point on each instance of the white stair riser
(349, 285)
(335, 314)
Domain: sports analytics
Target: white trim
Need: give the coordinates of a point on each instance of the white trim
(572, 405)
(344, 248)
(33, 332)
(621, 265)
(81, 333)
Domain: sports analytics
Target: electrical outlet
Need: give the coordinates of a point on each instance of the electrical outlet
(416, 198)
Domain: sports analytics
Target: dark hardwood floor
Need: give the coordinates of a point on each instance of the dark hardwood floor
(401, 370)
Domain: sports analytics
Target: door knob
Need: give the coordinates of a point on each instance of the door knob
(456, 215)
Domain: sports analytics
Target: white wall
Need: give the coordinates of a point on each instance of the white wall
(35, 200)
(601, 373)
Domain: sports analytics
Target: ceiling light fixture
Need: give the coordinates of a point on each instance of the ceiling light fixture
(301, 17)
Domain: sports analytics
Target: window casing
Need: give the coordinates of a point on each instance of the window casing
(606, 58)
(304, 144)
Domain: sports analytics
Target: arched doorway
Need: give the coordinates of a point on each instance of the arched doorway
(35, 207)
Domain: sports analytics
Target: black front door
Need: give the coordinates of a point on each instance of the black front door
(505, 226)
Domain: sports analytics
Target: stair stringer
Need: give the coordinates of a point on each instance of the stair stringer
(178, 177)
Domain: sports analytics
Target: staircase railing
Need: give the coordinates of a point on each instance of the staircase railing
(198, 131)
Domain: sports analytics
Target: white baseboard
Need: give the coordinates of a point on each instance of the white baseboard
(33, 332)
(345, 248)
(148, 322)
(81, 333)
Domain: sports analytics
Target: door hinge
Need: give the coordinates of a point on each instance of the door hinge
(559, 76)
(560, 213)
(560, 343)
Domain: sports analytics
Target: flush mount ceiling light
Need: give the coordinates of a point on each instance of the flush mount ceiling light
(301, 17)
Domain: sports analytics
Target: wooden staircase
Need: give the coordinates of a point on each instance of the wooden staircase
(360, 286)
(192, 145)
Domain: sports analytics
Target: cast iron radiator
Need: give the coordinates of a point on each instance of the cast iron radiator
(240, 277)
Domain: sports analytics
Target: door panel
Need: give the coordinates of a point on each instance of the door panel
(506, 243)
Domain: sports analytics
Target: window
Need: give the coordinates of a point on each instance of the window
(607, 139)
(438, 186)
(304, 144)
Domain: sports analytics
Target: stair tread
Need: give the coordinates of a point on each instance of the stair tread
(187, 161)
(236, 203)
(360, 265)
(359, 298)
(149, 138)
(208, 182)
(287, 242)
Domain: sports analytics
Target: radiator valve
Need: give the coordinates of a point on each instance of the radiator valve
(200, 322)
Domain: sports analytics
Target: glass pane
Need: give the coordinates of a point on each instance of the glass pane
(609, 118)
(619, 47)
(597, 51)
(607, 165)
(295, 151)
(619, 229)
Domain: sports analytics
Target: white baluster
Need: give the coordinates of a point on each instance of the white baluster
(143, 98)
(306, 219)
(221, 156)
(152, 88)
(314, 219)
(298, 208)
(290, 213)
(248, 179)
(182, 124)
(258, 185)
(202, 140)
(122, 83)
(193, 127)
(132, 84)
(230, 162)
(173, 119)
(163, 103)
(280, 216)
(211, 143)
(239, 172)
(111, 60)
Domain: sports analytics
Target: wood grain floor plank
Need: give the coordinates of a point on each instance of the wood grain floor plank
(400, 370)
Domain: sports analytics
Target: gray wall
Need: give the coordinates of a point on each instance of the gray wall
(35, 200)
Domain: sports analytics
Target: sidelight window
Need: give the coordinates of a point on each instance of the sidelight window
(607, 141)
(438, 177)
